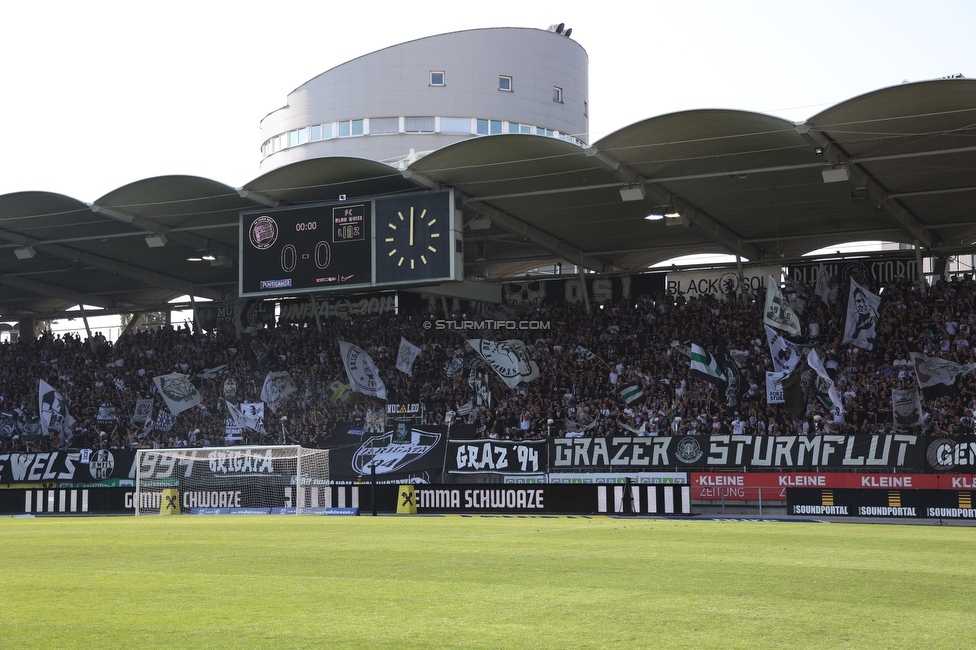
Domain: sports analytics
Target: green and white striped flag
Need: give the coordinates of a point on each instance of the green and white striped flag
(631, 393)
(707, 367)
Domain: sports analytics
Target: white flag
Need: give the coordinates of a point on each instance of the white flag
(362, 373)
(509, 359)
(906, 408)
(277, 386)
(406, 355)
(786, 354)
(143, 410)
(54, 412)
(777, 312)
(177, 391)
(478, 380)
(774, 387)
(826, 286)
(250, 415)
(813, 360)
(937, 376)
(210, 373)
(583, 352)
(860, 326)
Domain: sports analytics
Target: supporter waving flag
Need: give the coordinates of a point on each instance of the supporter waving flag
(906, 408)
(143, 411)
(826, 286)
(777, 312)
(785, 353)
(936, 376)
(54, 411)
(814, 361)
(631, 394)
(509, 359)
(586, 354)
(177, 391)
(249, 415)
(363, 375)
(277, 386)
(705, 366)
(774, 387)
(860, 326)
(406, 355)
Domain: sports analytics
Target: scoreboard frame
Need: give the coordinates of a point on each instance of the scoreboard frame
(375, 242)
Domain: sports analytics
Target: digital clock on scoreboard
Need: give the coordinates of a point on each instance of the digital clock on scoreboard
(308, 248)
(415, 238)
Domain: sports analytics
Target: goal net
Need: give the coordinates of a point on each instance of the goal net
(231, 480)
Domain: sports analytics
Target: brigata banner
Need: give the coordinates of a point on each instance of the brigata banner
(881, 451)
(496, 456)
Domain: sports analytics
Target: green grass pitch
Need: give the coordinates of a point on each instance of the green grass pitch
(481, 582)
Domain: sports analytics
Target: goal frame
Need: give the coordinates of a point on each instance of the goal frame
(199, 454)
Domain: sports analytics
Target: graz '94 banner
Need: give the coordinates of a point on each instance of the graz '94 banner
(496, 456)
(799, 452)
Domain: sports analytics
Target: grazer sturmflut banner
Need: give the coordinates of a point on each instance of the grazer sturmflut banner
(864, 452)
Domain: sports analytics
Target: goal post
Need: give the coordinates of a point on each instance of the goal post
(258, 479)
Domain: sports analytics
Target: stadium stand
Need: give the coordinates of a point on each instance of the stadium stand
(585, 361)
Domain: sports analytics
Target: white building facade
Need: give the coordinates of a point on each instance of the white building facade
(398, 103)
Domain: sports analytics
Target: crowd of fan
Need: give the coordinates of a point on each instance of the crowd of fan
(585, 358)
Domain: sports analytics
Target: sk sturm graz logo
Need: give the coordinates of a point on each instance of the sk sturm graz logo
(263, 233)
(941, 454)
(101, 464)
(389, 456)
(688, 450)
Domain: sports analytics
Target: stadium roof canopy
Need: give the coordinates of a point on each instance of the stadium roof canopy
(897, 164)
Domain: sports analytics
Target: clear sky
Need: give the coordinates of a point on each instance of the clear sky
(98, 94)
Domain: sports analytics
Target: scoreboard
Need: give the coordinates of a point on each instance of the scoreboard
(402, 240)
